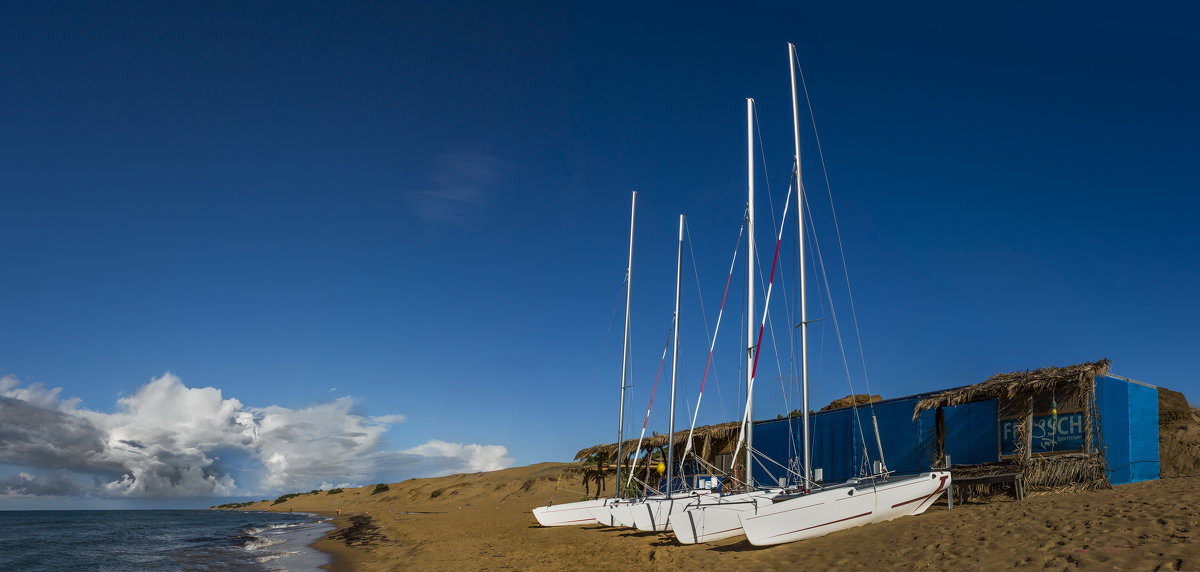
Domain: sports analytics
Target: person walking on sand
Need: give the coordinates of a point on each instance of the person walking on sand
(339, 511)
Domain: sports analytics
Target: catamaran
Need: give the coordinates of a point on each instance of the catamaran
(717, 517)
(816, 510)
(653, 513)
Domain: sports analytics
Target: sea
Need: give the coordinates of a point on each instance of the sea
(160, 540)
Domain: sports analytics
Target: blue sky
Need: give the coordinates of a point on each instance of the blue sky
(415, 216)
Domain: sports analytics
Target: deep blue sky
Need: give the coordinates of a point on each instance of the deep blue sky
(424, 206)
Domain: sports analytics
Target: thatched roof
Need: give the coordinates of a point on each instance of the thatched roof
(1016, 383)
(722, 432)
(851, 400)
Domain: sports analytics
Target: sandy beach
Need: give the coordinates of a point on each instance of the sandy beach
(482, 521)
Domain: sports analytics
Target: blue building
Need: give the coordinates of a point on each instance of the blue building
(1060, 426)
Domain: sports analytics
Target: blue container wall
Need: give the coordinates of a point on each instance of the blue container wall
(1143, 435)
(1129, 429)
(776, 440)
(973, 433)
(838, 441)
(1112, 401)
(835, 450)
(901, 436)
(1128, 419)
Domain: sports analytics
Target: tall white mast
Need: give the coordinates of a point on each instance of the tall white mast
(674, 363)
(750, 286)
(625, 347)
(803, 286)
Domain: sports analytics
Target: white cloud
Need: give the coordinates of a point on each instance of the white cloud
(323, 442)
(474, 458)
(35, 393)
(167, 439)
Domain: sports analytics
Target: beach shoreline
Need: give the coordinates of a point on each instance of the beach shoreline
(482, 521)
(342, 557)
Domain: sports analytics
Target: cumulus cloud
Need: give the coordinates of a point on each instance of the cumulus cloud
(35, 393)
(460, 183)
(168, 439)
(36, 436)
(459, 458)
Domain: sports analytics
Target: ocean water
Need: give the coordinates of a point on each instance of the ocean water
(159, 540)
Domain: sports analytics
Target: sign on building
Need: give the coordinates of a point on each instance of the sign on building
(1058, 425)
(1051, 433)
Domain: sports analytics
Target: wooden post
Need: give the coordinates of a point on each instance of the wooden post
(941, 434)
(1089, 403)
(950, 489)
(1028, 428)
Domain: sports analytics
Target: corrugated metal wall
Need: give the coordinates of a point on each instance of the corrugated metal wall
(1129, 427)
(838, 440)
(835, 447)
(774, 439)
(973, 433)
(903, 447)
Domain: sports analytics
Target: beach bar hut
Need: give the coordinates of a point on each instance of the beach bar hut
(1077, 426)
(713, 444)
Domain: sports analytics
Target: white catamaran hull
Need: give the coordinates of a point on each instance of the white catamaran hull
(615, 513)
(654, 515)
(821, 512)
(568, 514)
(717, 517)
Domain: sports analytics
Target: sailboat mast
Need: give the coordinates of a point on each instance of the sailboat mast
(800, 203)
(625, 347)
(674, 363)
(750, 266)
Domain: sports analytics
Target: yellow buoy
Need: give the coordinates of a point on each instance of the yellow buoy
(662, 467)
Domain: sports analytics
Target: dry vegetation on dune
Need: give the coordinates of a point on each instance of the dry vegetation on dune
(482, 521)
(1178, 434)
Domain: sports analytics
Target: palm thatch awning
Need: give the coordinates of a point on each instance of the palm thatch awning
(1011, 385)
(705, 437)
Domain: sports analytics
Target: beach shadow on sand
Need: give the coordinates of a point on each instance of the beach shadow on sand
(639, 534)
(598, 527)
(743, 546)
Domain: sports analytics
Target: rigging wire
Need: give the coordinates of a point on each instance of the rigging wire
(787, 308)
(653, 389)
(837, 230)
(845, 268)
(762, 153)
(608, 334)
(713, 338)
(793, 359)
(836, 327)
(791, 345)
(612, 321)
(746, 417)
